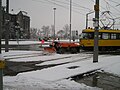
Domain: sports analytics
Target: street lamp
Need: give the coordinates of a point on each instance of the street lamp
(54, 21)
(96, 33)
(87, 18)
(70, 17)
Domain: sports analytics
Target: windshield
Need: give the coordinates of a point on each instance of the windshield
(87, 36)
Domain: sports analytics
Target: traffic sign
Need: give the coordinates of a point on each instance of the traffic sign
(96, 7)
(2, 64)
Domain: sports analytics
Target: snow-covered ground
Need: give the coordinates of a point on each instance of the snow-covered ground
(34, 42)
(54, 78)
(22, 42)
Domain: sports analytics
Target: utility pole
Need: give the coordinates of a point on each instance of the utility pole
(87, 18)
(7, 27)
(70, 17)
(1, 70)
(54, 21)
(96, 33)
(0, 23)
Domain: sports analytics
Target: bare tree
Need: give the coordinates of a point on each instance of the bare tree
(61, 34)
(66, 28)
(52, 30)
(33, 33)
(46, 30)
(38, 33)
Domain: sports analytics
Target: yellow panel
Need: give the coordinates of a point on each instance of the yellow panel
(90, 42)
(87, 43)
(109, 42)
(102, 30)
(2, 64)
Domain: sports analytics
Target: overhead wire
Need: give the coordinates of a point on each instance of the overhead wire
(117, 3)
(113, 7)
(58, 5)
(108, 6)
(64, 6)
(74, 5)
(112, 18)
(106, 9)
(78, 5)
(67, 4)
(40, 1)
(113, 1)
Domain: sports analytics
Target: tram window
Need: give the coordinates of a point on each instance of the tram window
(117, 36)
(105, 36)
(90, 35)
(113, 36)
(100, 36)
(87, 35)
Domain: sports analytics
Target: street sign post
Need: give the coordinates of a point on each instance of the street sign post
(2, 65)
(96, 32)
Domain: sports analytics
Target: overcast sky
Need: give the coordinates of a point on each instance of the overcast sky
(41, 11)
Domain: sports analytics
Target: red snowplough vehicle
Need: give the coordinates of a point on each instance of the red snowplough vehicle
(63, 47)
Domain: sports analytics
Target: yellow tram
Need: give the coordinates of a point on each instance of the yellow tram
(108, 39)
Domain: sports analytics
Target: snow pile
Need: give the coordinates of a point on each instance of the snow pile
(20, 82)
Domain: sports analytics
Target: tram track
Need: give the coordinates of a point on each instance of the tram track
(25, 55)
(73, 59)
(32, 65)
(13, 68)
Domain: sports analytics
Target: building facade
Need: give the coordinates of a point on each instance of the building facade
(19, 26)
